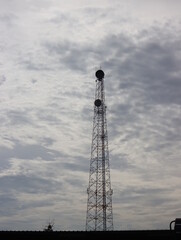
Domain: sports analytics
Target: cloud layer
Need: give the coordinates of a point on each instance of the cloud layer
(49, 54)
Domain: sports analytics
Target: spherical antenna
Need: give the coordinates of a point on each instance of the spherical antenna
(97, 102)
(100, 75)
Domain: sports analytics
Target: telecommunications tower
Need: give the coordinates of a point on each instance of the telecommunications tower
(99, 204)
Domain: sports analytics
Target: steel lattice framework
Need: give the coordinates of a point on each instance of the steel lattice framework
(99, 203)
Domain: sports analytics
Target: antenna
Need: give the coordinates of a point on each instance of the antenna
(99, 203)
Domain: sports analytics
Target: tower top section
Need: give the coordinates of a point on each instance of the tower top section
(99, 75)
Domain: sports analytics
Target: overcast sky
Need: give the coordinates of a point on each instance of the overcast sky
(49, 52)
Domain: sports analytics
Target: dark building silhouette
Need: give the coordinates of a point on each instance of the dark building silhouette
(90, 235)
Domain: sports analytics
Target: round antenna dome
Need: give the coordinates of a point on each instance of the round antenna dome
(97, 102)
(100, 75)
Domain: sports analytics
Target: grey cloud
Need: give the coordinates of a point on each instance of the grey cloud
(76, 183)
(147, 79)
(152, 65)
(18, 6)
(71, 55)
(34, 65)
(18, 117)
(62, 18)
(48, 116)
(2, 79)
(123, 113)
(79, 164)
(47, 141)
(10, 202)
(33, 151)
(145, 64)
(34, 81)
(8, 19)
(87, 113)
(27, 184)
(121, 162)
(148, 197)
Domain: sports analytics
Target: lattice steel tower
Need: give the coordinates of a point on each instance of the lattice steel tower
(99, 203)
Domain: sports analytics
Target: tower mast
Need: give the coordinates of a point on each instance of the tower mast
(99, 203)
